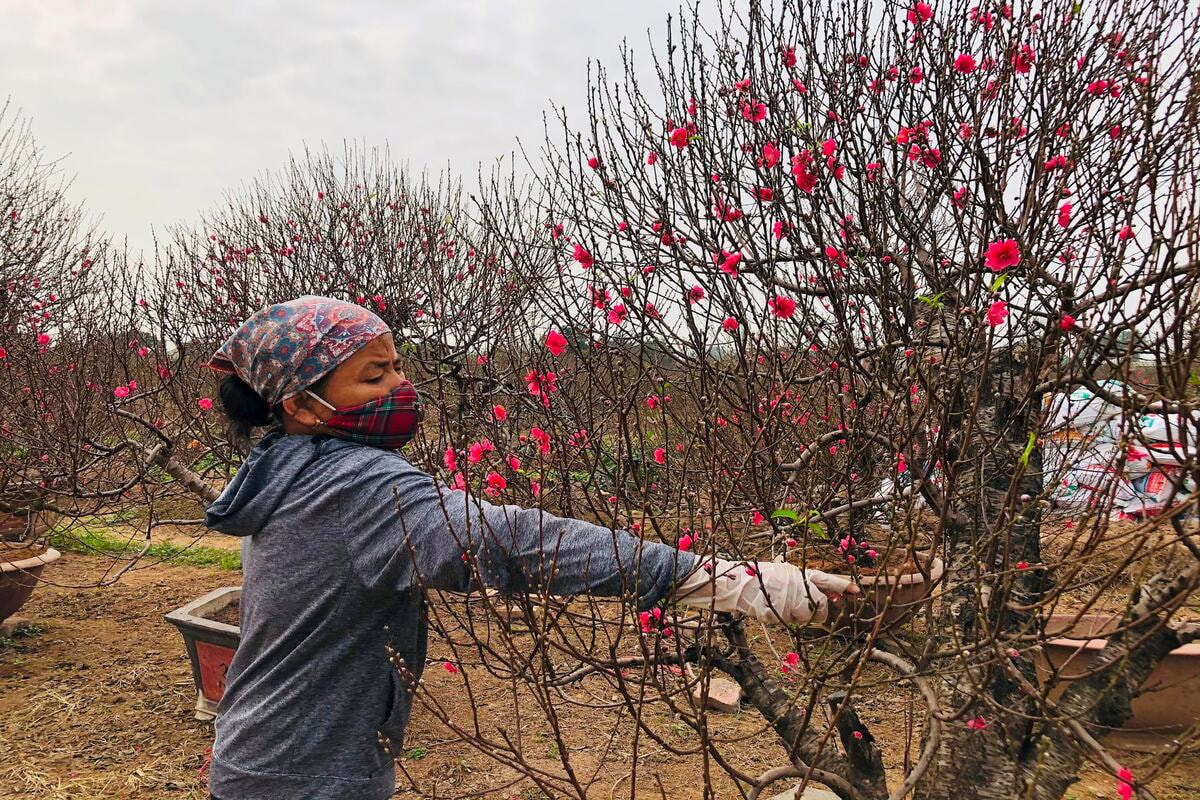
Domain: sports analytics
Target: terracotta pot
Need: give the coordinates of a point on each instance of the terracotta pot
(19, 579)
(911, 590)
(210, 645)
(1170, 699)
(14, 527)
(20, 527)
(24, 526)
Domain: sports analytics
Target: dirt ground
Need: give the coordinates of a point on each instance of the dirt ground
(97, 703)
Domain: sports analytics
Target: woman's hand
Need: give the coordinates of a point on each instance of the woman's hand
(832, 585)
(770, 591)
(839, 589)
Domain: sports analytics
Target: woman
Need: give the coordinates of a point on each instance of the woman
(337, 527)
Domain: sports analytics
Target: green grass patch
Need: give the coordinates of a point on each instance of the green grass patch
(94, 542)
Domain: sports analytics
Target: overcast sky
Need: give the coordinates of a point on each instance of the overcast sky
(161, 105)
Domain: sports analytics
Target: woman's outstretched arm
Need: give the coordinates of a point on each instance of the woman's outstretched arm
(400, 523)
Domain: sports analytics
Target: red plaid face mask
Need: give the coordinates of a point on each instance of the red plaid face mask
(387, 422)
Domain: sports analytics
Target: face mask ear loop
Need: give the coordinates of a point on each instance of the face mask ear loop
(320, 400)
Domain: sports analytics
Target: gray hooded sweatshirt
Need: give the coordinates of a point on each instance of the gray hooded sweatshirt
(334, 537)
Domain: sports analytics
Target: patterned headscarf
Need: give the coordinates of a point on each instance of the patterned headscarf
(286, 347)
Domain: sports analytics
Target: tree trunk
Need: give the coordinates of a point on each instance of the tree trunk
(984, 763)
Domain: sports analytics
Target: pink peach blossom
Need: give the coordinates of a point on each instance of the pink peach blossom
(782, 306)
(556, 343)
(1124, 783)
(728, 262)
(919, 14)
(997, 313)
(618, 314)
(1002, 254)
(754, 110)
(478, 450)
(542, 438)
(1023, 58)
(770, 155)
(965, 63)
(583, 257)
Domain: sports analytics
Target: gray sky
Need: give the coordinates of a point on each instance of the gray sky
(162, 105)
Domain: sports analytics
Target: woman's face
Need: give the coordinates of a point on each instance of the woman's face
(369, 374)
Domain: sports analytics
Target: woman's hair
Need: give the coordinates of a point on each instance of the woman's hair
(247, 410)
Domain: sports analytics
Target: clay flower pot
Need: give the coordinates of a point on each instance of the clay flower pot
(1170, 699)
(24, 524)
(210, 645)
(14, 527)
(897, 597)
(19, 578)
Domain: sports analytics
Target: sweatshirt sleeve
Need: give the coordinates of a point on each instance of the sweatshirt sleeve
(398, 523)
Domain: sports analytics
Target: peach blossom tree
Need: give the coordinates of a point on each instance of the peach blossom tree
(82, 426)
(818, 287)
(352, 225)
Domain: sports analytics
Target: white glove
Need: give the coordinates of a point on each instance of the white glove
(797, 596)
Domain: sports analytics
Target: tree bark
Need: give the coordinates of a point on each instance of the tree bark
(864, 775)
(984, 763)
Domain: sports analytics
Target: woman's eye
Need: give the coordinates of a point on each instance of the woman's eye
(375, 380)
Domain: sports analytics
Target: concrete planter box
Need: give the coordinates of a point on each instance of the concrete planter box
(1170, 699)
(210, 645)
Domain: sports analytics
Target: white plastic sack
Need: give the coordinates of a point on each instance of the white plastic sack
(1088, 481)
(1164, 428)
(1072, 450)
(1164, 439)
(1156, 489)
(1138, 462)
(902, 483)
(1083, 410)
(1165, 454)
(1054, 457)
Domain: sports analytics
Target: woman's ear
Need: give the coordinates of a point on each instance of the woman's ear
(299, 408)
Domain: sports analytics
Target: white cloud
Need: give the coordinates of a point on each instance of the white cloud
(163, 106)
(63, 26)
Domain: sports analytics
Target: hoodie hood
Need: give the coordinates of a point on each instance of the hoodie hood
(264, 479)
